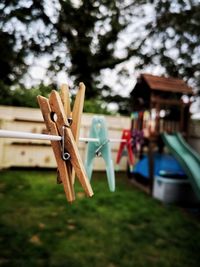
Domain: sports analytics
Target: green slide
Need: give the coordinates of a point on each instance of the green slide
(187, 157)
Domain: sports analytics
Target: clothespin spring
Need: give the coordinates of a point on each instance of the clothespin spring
(98, 152)
(65, 155)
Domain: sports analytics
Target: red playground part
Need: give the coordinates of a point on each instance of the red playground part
(126, 135)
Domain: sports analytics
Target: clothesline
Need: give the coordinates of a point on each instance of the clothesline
(35, 136)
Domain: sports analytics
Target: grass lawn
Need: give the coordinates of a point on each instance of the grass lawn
(126, 228)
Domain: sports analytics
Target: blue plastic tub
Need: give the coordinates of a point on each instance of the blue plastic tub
(164, 165)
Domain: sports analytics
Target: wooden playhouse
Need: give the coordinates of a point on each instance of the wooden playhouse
(166, 100)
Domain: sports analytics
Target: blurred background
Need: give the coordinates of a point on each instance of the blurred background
(108, 45)
(105, 44)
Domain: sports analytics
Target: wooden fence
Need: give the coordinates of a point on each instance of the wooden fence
(38, 153)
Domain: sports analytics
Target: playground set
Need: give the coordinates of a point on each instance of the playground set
(159, 121)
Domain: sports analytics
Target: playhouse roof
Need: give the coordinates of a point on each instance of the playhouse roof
(167, 84)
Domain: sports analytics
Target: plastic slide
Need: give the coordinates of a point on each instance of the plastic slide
(187, 157)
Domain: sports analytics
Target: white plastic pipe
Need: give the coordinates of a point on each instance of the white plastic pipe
(35, 136)
(115, 140)
(25, 135)
(88, 139)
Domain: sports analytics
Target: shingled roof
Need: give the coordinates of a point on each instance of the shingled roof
(166, 84)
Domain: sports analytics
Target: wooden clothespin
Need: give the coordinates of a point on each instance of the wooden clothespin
(55, 113)
(102, 148)
(126, 135)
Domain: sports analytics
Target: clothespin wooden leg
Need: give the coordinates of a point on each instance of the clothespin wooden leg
(76, 117)
(52, 129)
(77, 111)
(70, 144)
(64, 94)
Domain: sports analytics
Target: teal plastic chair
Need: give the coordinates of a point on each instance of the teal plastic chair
(102, 148)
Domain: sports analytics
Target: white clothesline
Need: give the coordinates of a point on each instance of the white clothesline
(35, 136)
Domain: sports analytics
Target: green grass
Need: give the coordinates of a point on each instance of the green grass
(126, 228)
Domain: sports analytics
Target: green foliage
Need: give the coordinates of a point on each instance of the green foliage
(173, 39)
(21, 96)
(126, 228)
(95, 106)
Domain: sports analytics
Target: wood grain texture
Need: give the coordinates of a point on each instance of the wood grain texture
(52, 129)
(76, 117)
(70, 144)
(167, 84)
(76, 114)
(65, 98)
(77, 111)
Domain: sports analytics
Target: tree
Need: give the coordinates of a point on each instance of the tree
(81, 38)
(172, 39)
(16, 43)
(85, 37)
(12, 64)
